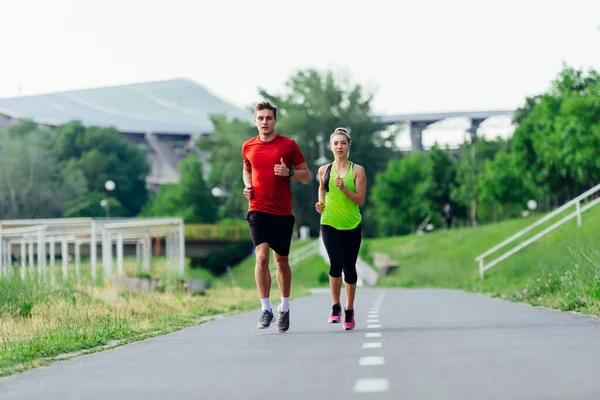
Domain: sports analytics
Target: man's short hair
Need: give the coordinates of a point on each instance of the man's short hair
(265, 105)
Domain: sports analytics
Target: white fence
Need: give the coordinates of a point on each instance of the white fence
(579, 209)
(35, 241)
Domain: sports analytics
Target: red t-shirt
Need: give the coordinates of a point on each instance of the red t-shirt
(271, 192)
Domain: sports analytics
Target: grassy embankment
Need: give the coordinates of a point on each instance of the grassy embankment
(40, 323)
(561, 270)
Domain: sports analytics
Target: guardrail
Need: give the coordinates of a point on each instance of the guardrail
(579, 209)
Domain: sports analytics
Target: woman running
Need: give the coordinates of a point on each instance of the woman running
(342, 191)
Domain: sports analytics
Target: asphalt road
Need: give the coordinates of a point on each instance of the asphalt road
(408, 344)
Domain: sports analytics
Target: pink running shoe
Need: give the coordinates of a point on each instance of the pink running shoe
(334, 317)
(349, 320)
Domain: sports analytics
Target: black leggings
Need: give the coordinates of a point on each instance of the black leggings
(342, 247)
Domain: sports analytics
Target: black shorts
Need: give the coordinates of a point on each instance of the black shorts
(277, 230)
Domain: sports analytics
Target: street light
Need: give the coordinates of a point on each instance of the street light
(217, 192)
(106, 206)
(322, 160)
(109, 185)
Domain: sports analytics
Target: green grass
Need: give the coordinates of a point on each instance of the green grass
(40, 322)
(560, 270)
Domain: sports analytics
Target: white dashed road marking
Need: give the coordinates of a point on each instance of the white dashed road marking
(371, 345)
(371, 385)
(370, 361)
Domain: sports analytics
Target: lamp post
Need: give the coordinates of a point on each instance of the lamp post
(109, 185)
(322, 159)
(220, 195)
(104, 204)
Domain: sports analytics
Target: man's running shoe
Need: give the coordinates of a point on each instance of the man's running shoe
(349, 319)
(283, 323)
(336, 311)
(266, 317)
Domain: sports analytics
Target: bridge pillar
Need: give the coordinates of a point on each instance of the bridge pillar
(475, 123)
(416, 134)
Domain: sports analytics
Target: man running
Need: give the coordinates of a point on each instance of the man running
(270, 162)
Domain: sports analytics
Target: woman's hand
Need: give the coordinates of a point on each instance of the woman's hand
(319, 206)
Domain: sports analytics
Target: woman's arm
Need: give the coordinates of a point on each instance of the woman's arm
(360, 182)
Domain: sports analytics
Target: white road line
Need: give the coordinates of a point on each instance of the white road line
(372, 334)
(370, 361)
(372, 345)
(374, 326)
(372, 321)
(371, 385)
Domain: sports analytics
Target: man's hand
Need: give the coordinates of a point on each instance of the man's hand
(282, 169)
(248, 192)
(339, 182)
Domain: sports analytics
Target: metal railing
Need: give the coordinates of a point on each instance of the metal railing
(579, 209)
(35, 240)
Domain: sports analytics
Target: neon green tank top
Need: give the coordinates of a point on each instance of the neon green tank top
(339, 211)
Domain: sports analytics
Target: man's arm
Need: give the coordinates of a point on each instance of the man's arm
(301, 174)
(247, 175)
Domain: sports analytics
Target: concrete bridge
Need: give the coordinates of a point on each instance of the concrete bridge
(417, 123)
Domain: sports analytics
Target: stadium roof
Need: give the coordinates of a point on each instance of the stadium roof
(178, 106)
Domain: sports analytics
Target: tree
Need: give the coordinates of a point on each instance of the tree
(30, 178)
(97, 154)
(313, 104)
(559, 133)
(35, 184)
(440, 181)
(502, 182)
(200, 205)
(399, 199)
(462, 191)
(190, 198)
(224, 146)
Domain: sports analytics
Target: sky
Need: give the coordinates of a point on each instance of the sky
(413, 56)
